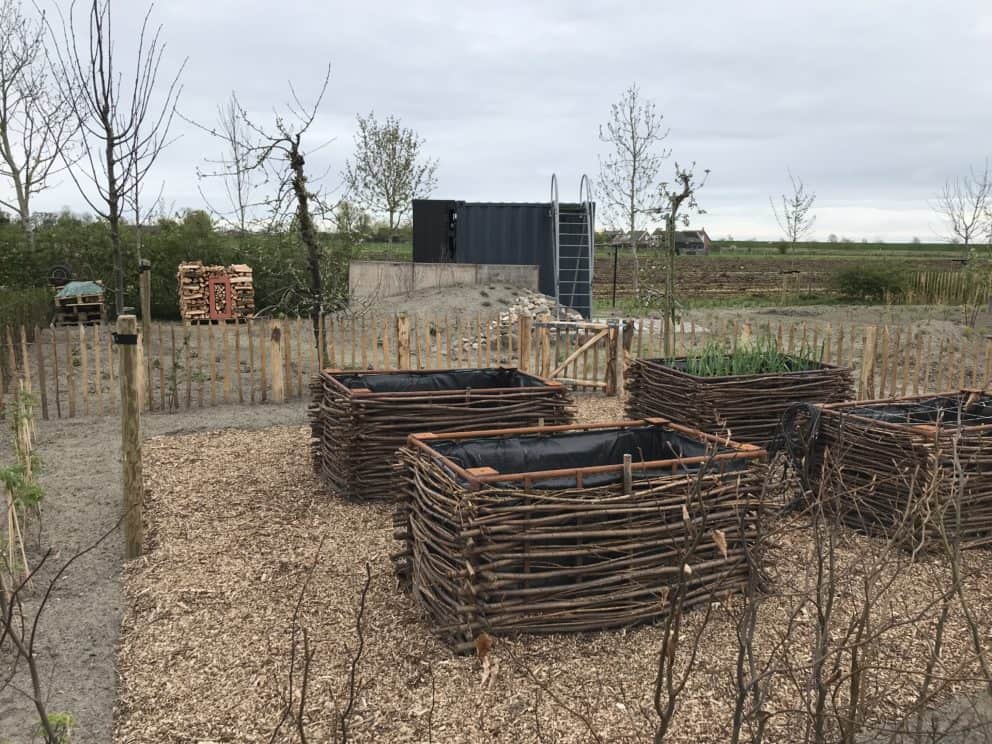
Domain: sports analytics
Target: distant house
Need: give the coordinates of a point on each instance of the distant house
(622, 240)
(687, 242)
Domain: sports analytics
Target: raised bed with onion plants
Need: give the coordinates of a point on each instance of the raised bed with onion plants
(917, 470)
(740, 393)
(573, 528)
(360, 419)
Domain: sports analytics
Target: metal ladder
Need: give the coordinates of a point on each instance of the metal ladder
(574, 235)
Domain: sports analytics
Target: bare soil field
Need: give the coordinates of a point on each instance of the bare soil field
(728, 275)
(79, 630)
(238, 524)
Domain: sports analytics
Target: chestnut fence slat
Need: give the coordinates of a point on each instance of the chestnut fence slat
(73, 371)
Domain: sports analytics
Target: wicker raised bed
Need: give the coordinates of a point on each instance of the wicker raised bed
(535, 531)
(749, 407)
(360, 419)
(888, 467)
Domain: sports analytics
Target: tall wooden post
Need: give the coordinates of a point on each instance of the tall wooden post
(402, 341)
(276, 358)
(524, 343)
(613, 351)
(145, 300)
(127, 341)
(42, 382)
(867, 388)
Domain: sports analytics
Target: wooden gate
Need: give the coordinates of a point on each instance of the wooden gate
(221, 299)
(584, 355)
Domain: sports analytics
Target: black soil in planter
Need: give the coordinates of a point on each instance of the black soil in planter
(541, 530)
(749, 407)
(360, 419)
(917, 470)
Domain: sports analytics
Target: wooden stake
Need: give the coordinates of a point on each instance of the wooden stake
(263, 363)
(187, 348)
(277, 358)
(251, 359)
(70, 372)
(237, 363)
(98, 370)
(84, 369)
(42, 379)
(226, 353)
(402, 341)
(133, 496)
(524, 344)
(55, 373)
(161, 366)
(213, 364)
(628, 475)
(867, 390)
(201, 377)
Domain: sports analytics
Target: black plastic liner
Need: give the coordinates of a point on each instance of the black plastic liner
(793, 364)
(941, 409)
(449, 380)
(531, 452)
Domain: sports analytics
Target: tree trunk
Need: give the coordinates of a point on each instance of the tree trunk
(308, 234)
(633, 250)
(670, 286)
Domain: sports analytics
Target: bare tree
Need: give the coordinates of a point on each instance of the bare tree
(629, 173)
(122, 130)
(234, 167)
(679, 194)
(389, 169)
(796, 218)
(278, 152)
(965, 204)
(36, 122)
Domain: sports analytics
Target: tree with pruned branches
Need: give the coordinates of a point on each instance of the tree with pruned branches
(36, 122)
(279, 153)
(389, 169)
(795, 217)
(678, 199)
(628, 175)
(123, 120)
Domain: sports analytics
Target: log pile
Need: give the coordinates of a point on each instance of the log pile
(887, 468)
(747, 407)
(194, 297)
(581, 548)
(359, 419)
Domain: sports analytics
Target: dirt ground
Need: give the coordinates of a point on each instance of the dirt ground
(80, 627)
(237, 520)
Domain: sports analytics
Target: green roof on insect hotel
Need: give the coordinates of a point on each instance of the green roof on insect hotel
(78, 289)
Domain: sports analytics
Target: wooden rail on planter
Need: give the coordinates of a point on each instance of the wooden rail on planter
(75, 371)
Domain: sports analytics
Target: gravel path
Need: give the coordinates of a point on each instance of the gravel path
(79, 631)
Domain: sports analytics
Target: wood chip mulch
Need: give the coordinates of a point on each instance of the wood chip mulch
(235, 519)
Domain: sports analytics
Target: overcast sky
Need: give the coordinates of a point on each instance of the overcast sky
(873, 103)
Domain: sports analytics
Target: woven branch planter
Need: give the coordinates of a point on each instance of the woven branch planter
(534, 530)
(887, 467)
(749, 407)
(360, 419)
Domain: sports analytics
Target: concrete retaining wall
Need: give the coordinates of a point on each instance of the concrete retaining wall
(381, 279)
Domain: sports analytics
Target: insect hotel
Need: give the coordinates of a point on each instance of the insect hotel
(80, 303)
(746, 407)
(210, 294)
(917, 470)
(572, 528)
(360, 419)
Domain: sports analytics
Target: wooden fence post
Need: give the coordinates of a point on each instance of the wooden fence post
(524, 343)
(277, 366)
(867, 389)
(402, 341)
(42, 381)
(127, 340)
(624, 351)
(544, 338)
(612, 354)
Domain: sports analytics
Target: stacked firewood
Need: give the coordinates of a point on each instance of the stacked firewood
(748, 408)
(194, 299)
